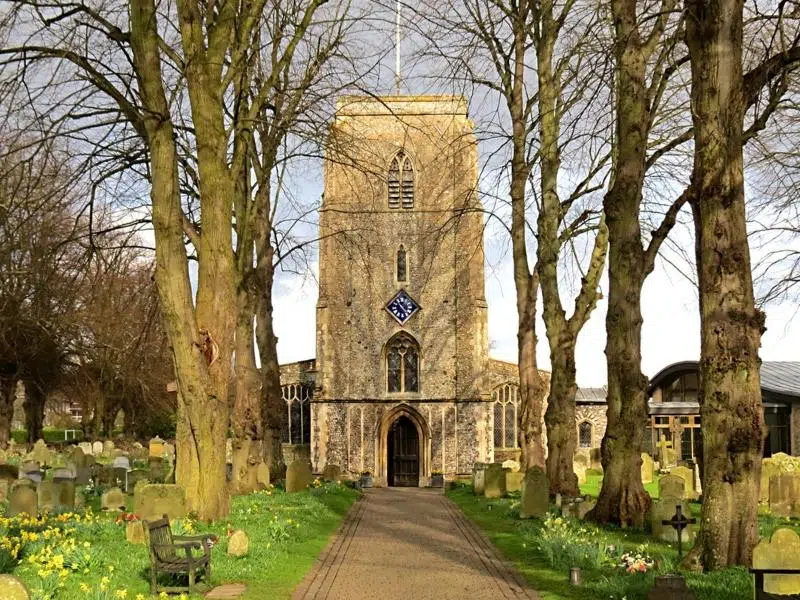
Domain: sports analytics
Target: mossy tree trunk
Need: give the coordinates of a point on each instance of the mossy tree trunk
(731, 325)
(8, 389)
(34, 410)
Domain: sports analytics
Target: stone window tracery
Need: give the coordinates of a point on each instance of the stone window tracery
(585, 435)
(401, 182)
(298, 405)
(402, 364)
(506, 403)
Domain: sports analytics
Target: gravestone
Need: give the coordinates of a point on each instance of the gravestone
(595, 459)
(22, 499)
(151, 501)
(478, 472)
(65, 474)
(784, 495)
(769, 467)
(670, 587)
(513, 481)
(156, 447)
(238, 544)
(511, 465)
(134, 477)
(780, 551)
(671, 487)
(298, 476)
(97, 448)
(134, 532)
(12, 588)
(66, 495)
(535, 494)
(494, 481)
(663, 510)
(47, 496)
(86, 448)
(687, 475)
(77, 457)
(30, 470)
(113, 499)
(41, 453)
(647, 468)
(108, 447)
(122, 462)
(330, 473)
(580, 473)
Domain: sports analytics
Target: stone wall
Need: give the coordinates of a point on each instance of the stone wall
(596, 415)
(794, 428)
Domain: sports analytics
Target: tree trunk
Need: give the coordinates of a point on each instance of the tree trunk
(8, 389)
(200, 331)
(274, 410)
(560, 421)
(34, 411)
(731, 326)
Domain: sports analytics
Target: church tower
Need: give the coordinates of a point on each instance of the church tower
(401, 318)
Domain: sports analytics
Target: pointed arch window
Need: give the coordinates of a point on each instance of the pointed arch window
(506, 402)
(298, 404)
(402, 265)
(401, 182)
(402, 364)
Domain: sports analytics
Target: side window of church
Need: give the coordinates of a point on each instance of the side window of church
(402, 364)
(506, 400)
(585, 435)
(298, 424)
(401, 182)
(402, 267)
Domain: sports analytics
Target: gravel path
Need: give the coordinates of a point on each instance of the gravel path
(410, 544)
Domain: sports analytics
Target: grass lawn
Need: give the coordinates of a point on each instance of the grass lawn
(545, 550)
(78, 556)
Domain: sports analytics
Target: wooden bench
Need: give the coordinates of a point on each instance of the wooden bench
(176, 555)
(758, 575)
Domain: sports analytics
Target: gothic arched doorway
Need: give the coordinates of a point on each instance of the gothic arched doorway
(402, 463)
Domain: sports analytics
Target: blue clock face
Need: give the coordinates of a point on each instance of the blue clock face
(402, 307)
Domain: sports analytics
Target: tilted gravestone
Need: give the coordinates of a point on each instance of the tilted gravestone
(113, 499)
(671, 487)
(535, 494)
(151, 501)
(22, 499)
(780, 551)
(12, 588)
(687, 475)
(647, 468)
(494, 481)
(41, 453)
(478, 473)
(298, 476)
(784, 495)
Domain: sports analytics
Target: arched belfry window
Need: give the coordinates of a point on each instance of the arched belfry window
(402, 364)
(506, 403)
(401, 182)
(402, 266)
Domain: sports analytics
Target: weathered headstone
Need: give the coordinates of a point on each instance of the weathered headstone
(134, 532)
(647, 468)
(663, 510)
(134, 477)
(108, 447)
(77, 457)
(158, 468)
(514, 481)
(238, 544)
(12, 588)
(97, 448)
(151, 501)
(22, 500)
(156, 447)
(66, 495)
(670, 587)
(687, 475)
(47, 496)
(30, 470)
(332, 473)
(769, 467)
(784, 495)
(41, 453)
(511, 465)
(86, 447)
(122, 462)
(298, 476)
(535, 494)
(595, 459)
(671, 487)
(780, 551)
(65, 474)
(478, 472)
(113, 499)
(494, 481)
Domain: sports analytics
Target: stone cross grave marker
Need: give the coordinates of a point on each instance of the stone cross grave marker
(679, 522)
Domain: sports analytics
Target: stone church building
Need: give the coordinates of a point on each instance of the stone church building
(402, 385)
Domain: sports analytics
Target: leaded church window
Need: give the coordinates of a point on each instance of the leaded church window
(401, 182)
(402, 364)
(585, 435)
(506, 404)
(298, 404)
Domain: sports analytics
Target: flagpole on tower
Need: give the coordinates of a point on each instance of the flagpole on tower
(397, 50)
